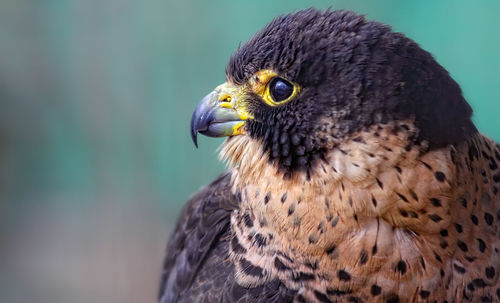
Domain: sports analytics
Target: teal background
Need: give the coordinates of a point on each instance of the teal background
(96, 96)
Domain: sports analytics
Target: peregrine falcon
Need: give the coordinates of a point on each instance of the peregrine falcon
(355, 175)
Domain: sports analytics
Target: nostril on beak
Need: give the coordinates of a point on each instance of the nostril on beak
(225, 101)
(225, 98)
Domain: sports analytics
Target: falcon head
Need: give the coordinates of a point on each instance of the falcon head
(309, 81)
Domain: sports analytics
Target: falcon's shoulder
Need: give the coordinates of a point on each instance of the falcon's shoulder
(197, 266)
(201, 225)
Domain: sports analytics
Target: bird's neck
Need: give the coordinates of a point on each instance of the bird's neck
(365, 199)
(379, 212)
(379, 174)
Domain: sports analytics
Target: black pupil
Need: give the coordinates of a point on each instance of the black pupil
(280, 89)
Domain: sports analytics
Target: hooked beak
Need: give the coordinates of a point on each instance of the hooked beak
(217, 118)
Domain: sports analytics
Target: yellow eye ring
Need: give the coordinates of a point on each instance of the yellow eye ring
(279, 91)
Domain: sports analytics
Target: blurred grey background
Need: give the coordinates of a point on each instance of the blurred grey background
(96, 96)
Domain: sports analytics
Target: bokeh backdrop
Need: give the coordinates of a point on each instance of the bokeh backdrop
(96, 96)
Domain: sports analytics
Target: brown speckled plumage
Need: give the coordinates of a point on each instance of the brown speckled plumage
(385, 226)
(371, 185)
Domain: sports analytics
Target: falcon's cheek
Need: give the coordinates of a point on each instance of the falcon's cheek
(221, 113)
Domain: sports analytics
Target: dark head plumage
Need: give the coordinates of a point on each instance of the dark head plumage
(355, 72)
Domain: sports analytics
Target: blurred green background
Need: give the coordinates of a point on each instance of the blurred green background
(96, 96)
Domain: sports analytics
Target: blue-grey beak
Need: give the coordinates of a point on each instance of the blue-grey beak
(212, 119)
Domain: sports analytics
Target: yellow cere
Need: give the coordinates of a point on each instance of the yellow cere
(231, 96)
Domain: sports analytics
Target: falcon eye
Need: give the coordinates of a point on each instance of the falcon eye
(273, 89)
(280, 89)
